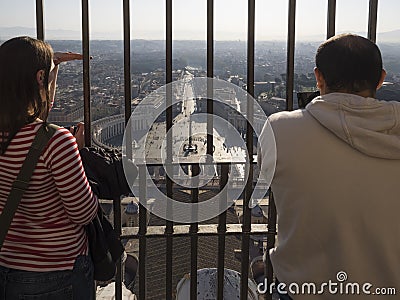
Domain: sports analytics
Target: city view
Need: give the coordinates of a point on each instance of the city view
(148, 73)
(190, 216)
(189, 62)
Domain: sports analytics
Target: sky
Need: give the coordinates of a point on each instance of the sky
(189, 18)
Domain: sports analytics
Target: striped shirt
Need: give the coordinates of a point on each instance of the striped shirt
(47, 232)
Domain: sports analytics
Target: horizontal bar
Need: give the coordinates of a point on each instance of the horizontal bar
(188, 163)
(204, 230)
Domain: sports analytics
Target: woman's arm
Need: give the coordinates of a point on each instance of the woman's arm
(53, 84)
(59, 57)
(65, 164)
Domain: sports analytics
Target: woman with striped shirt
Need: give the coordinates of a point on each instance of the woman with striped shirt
(45, 253)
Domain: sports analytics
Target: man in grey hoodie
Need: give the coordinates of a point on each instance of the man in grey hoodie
(337, 181)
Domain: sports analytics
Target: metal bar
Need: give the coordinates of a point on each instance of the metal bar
(250, 48)
(169, 229)
(86, 72)
(290, 55)
(210, 74)
(331, 19)
(117, 228)
(168, 41)
(210, 38)
(142, 233)
(221, 232)
(169, 252)
(195, 168)
(184, 230)
(127, 86)
(246, 227)
(39, 20)
(270, 242)
(372, 19)
(127, 75)
(127, 61)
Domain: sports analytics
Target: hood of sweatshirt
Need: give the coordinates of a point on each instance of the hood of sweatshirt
(369, 125)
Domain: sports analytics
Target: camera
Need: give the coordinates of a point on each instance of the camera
(73, 127)
(303, 98)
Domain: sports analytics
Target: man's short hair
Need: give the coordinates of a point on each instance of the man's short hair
(350, 63)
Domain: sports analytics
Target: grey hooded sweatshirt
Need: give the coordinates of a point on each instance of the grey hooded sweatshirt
(337, 191)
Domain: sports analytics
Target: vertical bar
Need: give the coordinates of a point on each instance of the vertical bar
(127, 61)
(290, 55)
(86, 72)
(221, 232)
(270, 243)
(246, 226)
(39, 20)
(127, 74)
(331, 19)
(372, 19)
(210, 74)
(142, 233)
(117, 228)
(193, 234)
(210, 38)
(169, 229)
(127, 87)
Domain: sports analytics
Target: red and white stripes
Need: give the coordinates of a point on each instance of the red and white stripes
(47, 232)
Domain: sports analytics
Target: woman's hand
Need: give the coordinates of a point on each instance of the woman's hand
(60, 57)
(79, 134)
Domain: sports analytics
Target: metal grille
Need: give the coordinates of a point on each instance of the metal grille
(169, 232)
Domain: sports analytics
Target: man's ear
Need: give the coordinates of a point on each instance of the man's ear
(321, 85)
(40, 77)
(383, 75)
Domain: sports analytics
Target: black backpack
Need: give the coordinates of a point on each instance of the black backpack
(104, 170)
(104, 245)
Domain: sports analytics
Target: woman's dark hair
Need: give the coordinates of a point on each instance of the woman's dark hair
(20, 101)
(349, 62)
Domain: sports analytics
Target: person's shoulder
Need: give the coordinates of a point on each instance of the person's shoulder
(289, 116)
(62, 132)
(60, 146)
(61, 136)
(291, 121)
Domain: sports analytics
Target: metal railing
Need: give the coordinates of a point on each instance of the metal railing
(170, 231)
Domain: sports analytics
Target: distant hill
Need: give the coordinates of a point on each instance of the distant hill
(9, 32)
(60, 34)
(389, 37)
(56, 34)
(382, 37)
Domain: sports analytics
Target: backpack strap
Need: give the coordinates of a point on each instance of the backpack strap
(19, 186)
